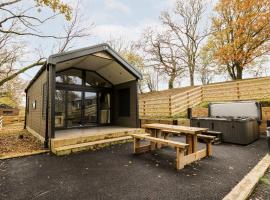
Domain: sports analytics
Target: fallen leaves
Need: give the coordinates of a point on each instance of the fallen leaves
(17, 140)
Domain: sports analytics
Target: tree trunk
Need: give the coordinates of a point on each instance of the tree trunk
(171, 82)
(239, 70)
(191, 77)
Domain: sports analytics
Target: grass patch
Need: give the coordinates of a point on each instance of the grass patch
(264, 180)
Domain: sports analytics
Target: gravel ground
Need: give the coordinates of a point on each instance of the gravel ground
(115, 173)
(262, 190)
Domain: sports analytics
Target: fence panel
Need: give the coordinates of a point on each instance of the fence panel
(1, 122)
(177, 102)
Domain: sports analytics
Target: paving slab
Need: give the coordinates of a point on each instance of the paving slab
(115, 173)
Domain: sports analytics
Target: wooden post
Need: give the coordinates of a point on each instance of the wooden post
(165, 135)
(209, 148)
(180, 162)
(194, 143)
(136, 144)
(144, 112)
(158, 135)
(189, 141)
(238, 90)
(153, 144)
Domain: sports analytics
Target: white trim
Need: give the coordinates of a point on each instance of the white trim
(35, 134)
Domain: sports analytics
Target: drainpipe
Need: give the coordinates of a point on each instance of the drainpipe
(46, 141)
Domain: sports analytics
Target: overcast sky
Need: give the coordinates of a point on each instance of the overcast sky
(111, 18)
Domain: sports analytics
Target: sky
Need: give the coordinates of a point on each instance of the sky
(111, 18)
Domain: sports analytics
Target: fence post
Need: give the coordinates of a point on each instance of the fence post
(144, 108)
(238, 90)
(201, 89)
(170, 106)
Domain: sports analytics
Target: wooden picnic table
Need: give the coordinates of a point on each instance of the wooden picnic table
(190, 133)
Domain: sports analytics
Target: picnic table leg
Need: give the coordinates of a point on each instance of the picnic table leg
(209, 148)
(153, 144)
(136, 144)
(194, 143)
(166, 135)
(158, 135)
(180, 162)
(189, 141)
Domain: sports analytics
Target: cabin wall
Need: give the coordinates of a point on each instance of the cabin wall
(35, 122)
(132, 119)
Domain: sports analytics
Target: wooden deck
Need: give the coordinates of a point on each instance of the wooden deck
(75, 140)
(93, 131)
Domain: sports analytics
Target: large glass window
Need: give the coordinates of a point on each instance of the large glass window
(71, 76)
(94, 80)
(90, 108)
(105, 107)
(59, 108)
(74, 108)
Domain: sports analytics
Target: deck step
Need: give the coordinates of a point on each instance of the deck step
(65, 150)
(86, 138)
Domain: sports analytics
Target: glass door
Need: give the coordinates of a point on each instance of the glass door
(60, 109)
(74, 109)
(90, 108)
(105, 108)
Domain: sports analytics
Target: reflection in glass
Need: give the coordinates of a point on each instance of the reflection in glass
(90, 110)
(94, 80)
(105, 106)
(71, 76)
(74, 105)
(59, 108)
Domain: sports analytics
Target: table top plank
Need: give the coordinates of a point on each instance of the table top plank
(184, 129)
(160, 140)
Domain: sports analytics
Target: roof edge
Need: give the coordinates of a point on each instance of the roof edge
(55, 58)
(61, 57)
(35, 77)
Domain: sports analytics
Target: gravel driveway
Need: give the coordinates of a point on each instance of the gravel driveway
(115, 173)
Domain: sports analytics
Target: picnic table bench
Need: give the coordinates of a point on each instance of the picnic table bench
(186, 153)
(180, 147)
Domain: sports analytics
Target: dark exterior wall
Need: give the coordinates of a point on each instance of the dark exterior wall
(34, 119)
(9, 111)
(132, 120)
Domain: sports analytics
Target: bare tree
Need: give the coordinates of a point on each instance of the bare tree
(162, 55)
(15, 23)
(206, 68)
(185, 24)
(130, 51)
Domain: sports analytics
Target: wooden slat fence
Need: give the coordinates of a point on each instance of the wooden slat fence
(1, 122)
(177, 103)
(6, 120)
